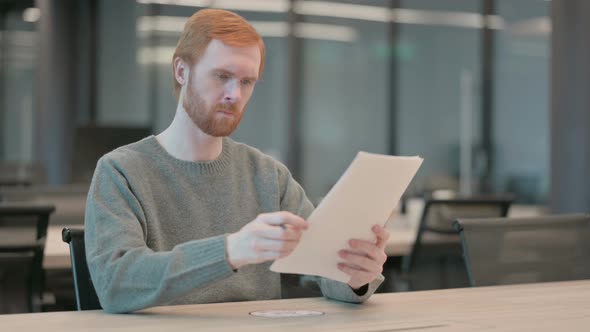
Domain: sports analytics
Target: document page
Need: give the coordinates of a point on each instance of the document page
(366, 194)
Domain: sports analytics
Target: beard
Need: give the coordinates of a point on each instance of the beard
(208, 119)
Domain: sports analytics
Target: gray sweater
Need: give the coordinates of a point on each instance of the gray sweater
(156, 226)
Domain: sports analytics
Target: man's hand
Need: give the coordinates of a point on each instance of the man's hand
(266, 238)
(363, 261)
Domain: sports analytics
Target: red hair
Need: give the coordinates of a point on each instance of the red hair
(207, 24)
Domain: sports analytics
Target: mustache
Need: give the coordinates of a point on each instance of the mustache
(233, 108)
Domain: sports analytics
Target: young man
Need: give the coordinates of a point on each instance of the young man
(189, 215)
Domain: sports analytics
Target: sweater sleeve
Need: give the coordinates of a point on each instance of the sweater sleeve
(294, 200)
(336, 290)
(127, 274)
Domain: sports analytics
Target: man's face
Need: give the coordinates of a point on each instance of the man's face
(219, 87)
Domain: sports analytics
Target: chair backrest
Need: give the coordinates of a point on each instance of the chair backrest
(522, 250)
(86, 298)
(23, 232)
(437, 220)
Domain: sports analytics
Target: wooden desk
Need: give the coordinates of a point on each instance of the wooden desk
(547, 307)
(57, 252)
(16, 235)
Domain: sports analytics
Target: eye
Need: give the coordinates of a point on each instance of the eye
(247, 82)
(223, 76)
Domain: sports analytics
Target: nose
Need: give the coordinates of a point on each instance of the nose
(233, 92)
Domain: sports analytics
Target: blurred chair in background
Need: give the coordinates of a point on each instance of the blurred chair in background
(525, 187)
(23, 231)
(500, 251)
(88, 149)
(439, 264)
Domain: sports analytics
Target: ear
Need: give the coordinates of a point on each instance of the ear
(181, 71)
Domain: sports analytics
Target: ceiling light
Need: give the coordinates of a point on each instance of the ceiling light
(31, 14)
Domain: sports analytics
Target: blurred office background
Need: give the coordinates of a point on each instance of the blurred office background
(493, 94)
(463, 83)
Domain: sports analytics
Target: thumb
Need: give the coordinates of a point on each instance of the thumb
(283, 218)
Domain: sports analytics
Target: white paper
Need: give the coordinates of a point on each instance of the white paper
(366, 194)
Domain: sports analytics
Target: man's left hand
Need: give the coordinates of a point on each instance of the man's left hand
(364, 260)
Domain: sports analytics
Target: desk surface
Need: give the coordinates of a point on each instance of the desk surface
(535, 307)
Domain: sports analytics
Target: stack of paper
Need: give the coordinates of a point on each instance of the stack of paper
(366, 194)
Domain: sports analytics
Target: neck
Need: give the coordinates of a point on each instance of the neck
(185, 141)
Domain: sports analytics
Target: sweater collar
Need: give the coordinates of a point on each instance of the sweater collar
(199, 167)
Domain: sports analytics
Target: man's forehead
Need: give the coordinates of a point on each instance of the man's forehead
(221, 55)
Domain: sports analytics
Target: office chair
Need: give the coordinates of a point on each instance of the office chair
(23, 231)
(501, 251)
(439, 263)
(86, 298)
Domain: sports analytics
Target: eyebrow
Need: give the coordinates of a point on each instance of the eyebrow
(225, 71)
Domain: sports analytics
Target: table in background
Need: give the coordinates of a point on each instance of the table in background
(57, 252)
(551, 307)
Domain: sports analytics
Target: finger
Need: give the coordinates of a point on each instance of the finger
(382, 235)
(283, 218)
(262, 244)
(356, 274)
(292, 234)
(367, 248)
(288, 247)
(362, 262)
(274, 245)
(279, 233)
(267, 256)
(286, 252)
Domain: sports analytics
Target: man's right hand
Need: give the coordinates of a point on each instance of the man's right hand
(266, 238)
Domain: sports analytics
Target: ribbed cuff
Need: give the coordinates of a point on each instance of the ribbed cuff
(209, 258)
